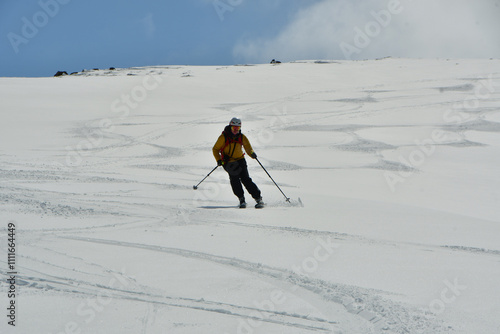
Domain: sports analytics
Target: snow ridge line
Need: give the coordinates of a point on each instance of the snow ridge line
(385, 315)
(472, 250)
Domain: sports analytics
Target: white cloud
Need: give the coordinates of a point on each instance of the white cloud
(415, 28)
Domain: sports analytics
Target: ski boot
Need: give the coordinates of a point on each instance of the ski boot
(260, 203)
(243, 204)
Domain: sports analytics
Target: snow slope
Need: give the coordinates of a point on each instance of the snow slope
(395, 160)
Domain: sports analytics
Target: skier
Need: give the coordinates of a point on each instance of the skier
(229, 154)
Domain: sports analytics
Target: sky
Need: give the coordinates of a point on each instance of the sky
(41, 37)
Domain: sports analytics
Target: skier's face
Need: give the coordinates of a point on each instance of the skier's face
(235, 129)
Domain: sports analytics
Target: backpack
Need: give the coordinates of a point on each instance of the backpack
(230, 139)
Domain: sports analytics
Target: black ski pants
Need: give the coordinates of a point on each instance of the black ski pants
(238, 174)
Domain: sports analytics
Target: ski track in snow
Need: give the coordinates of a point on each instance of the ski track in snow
(366, 303)
(69, 285)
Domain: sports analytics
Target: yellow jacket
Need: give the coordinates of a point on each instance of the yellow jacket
(233, 151)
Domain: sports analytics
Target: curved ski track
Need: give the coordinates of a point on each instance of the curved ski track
(384, 314)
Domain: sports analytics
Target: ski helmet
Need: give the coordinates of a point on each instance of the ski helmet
(235, 122)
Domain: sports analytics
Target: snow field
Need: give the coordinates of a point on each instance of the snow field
(395, 161)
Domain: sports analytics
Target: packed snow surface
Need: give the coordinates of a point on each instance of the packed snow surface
(395, 162)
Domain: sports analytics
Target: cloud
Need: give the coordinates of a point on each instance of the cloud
(361, 29)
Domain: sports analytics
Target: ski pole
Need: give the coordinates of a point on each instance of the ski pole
(287, 198)
(196, 186)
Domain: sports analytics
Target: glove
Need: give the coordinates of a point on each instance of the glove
(219, 162)
(254, 155)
